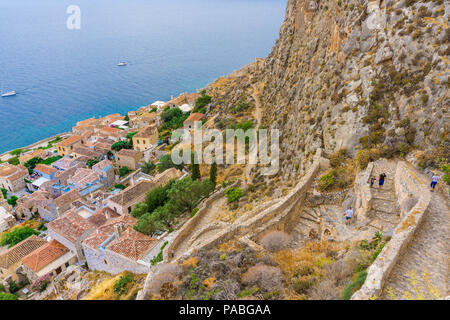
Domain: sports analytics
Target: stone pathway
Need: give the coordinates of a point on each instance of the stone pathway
(428, 252)
(385, 213)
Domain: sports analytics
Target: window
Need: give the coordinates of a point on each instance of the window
(66, 264)
(105, 261)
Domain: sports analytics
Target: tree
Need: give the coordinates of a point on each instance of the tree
(12, 201)
(123, 171)
(14, 161)
(186, 192)
(195, 167)
(157, 197)
(5, 193)
(126, 118)
(203, 100)
(213, 173)
(130, 135)
(166, 163)
(139, 210)
(92, 162)
(17, 235)
(120, 186)
(119, 145)
(148, 167)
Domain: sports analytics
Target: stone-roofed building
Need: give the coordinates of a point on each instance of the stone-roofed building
(38, 153)
(76, 225)
(12, 177)
(145, 138)
(112, 133)
(10, 259)
(67, 163)
(45, 171)
(106, 170)
(128, 158)
(83, 152)
(191, 121)
(52, 258)
(124, 201)
(7, 220)
(31, 203)
(66, 146)
(116, 247)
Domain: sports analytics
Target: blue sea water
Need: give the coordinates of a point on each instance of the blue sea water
(172, 46)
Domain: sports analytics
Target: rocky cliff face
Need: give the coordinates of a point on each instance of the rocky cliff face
(352, 74)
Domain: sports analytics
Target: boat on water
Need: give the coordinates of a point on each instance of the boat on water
(9, 94)
(122, 64)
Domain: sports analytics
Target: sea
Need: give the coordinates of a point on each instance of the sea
(61, 56)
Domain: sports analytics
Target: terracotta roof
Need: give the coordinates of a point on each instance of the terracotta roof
(110, 130)
(84, 176)
(44, 255)
(99, 218)
(128, 153)
(45, 169)
(12, 173)
(20, 250)
(71, 226)
(146, 132)
(132, 193)
(102, 165)
(87, 152)
(103, 232)
(132, 244)
(195, 117)
(69, 141)
(67, 198)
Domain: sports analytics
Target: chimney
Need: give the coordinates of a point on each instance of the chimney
(118, 230)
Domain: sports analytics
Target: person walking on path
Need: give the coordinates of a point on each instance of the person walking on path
(381, 179)
(434, 181)
(348, 215)
(372, 181)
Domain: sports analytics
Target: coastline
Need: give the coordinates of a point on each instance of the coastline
(35, 144)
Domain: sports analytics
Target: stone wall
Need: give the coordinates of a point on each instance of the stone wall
(279, 213)
(407, 184)
(363, 194)
(190, 226)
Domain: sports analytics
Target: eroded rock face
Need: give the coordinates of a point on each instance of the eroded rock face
(393, 51)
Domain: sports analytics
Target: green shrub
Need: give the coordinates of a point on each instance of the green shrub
(120, 286)
(120, 186)
(234, 194)
(124, 171)
(194, 212)
(14, 161)
(159, 256)
(354, 286)
(17, 235)
(8, 296)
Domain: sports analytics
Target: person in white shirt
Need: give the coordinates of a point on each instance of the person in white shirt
(434, 181)
(348, 215)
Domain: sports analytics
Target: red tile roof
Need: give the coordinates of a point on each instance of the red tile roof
(44, 255)
(20, 250)
(132, 244)
(195, 117)
(45, 169)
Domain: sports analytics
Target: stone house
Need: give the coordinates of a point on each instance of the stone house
(83, 152)
(10, 259)
(145, 138)
(106, 170)
(193, 121)
(76, 225)
(123, 202)
(12, 177)
(128, 158)
(52, 259)
(7, 220)
(66, 146)
(112, 133)
(116, 247)
(38, 153)
(45, 171)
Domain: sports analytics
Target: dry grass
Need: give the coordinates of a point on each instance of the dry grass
(264, 277)
(229, 246)
(275, 240)
(191, 262)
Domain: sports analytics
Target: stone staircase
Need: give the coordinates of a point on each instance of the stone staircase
(428, 252)
(384, 215)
